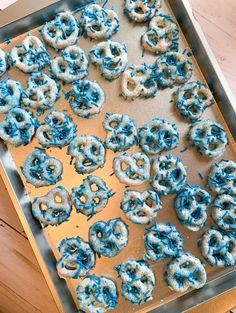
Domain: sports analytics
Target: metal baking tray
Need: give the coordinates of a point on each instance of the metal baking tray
(44, 242)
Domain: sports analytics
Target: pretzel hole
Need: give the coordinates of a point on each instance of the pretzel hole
(47, 135)
(139, 10)
(182, 68)
(35, 161)
(99, 234)
(94, 187)
(167, 135)
(193, 109)
(199, 198)
(131, 271)
(51, 168)
(58, 199)
(87, 162)
(153, 37)
(144, 279)
(88, 291)
(229, 170)
(141, 214)
(186, 264)
(96, 28)
(96, 200)
(186, 203)
(19, 117)
(33, 97)
(196, 214)
(124, 166)
(81, 146)
(161, 24)
(155, 129)
(219, 256)
(7, 130)
(82, 199)
(132, 202)
(71, 266)
(134, 290)
(94, 150)
(47, 92)
(115, 51)
(166, 74)
(176, 174)
(57, 213)
(62, 67)
(131, 85)
(231, 246)
(140, 162)
(106, 291)
(20, 56)
(101, 53)
(65, 21)
(164, 183)
(56, 121)
(73, 55)
(213, 241)
(52, 32)
(229, 220)
(43, 206)
(202, 95)
(114, 124)
(225, 205)
(149, 202)
(212, 146)
(187, 95)
(201, 133)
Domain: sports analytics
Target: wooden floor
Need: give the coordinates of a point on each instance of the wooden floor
(22, 285)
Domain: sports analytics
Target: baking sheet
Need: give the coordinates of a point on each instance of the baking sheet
(142, 111)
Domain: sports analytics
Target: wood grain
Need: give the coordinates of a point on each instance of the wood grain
(22, 286)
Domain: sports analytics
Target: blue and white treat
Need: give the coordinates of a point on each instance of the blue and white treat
(110, 57)
(41, 92)
(77, 258)
(97, 294)
(41, 170)
(192, 99)
(162, 35)
(222, 177)
(10, 94)
(141, 10)
(138, 281)
(191, 206)
(61, 32)
(209, 138)
(109, 238)
(58, 130)
(168, 174)
(137, 82)
(86, 98)
(3, 62)
(121, 132)
(162, 241)
(218, 249)
(133, 169)
(185, 272)
(54, 208)
(140, 207)
(224, 212)
(18, 127)
(31, 56)
(71, 65)
(88, 153)
(99, 23)
(91, 197)
(158, 135)
(172, 68)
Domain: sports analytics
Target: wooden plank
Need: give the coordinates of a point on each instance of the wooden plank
(217, 19)
(21, 275)
(7, 210)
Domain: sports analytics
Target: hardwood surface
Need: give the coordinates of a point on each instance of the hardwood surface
(22, 286)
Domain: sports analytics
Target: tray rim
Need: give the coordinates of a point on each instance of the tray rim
(9, 173)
